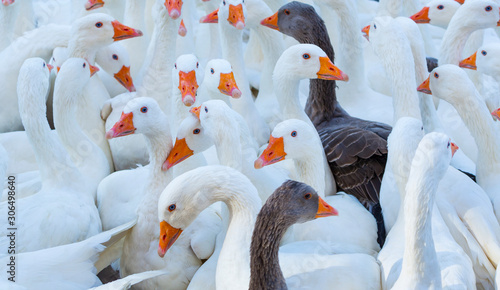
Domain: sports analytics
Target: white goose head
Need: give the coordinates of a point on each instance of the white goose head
(290, 139)
(307, 61)
(191, 139)
(74, 75)
(478, 14)
(33, 81)
(219, 78)
(59, 56)
(142, 116)
(115, 60)
(99, 29)
(437, 12)
(185, 74)
(234, 12)
(485, 60)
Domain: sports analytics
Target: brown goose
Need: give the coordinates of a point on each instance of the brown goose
(356, 149)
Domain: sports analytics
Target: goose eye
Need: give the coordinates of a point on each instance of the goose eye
(196, 131)
(206, 110)
(84, 65)
(171, 207)
(422, 128)
(223, 2)
(307, 195)
(197, 65)
(144, 109)
(488, 8)
(436, 75)
(440, 7)
(449, 144)
(484, 52)
(115, 57)
(98, 24)
(287, 12)
(212, 71)
(306, 56)
(374, 26)
(54, 59)
(43, 64)
(175, 65)
(294, 133)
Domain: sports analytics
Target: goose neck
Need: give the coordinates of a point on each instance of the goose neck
(311, 171)
(228, 145)
(272, 46)
(287, 93)
(454, 40)
(8, 16)
(134, 13)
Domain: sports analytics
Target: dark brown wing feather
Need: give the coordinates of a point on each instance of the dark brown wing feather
(357, 158)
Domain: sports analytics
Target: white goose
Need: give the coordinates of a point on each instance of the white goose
(115, 63)
(295, 139)
(437, 12)
(63, 211)
(219, 82)
(232, 14)
(143, 116)
(401, 245)
(182, 201)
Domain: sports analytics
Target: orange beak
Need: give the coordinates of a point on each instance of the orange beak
(124, 126)
(236, 17)
(93, 70)
(7, 2)
(460, 1)
(182, 29)
(324, 209)
(179, 153)
(271, 21)
(124, 32)
(366, 32)
(58, 68)
(93, 4)
(275, 152)
(124, 78)
(424, 87)
(469, 62)
(498, 22)
(168, 236)
(227, 85)
(196, 111)
(174, 8)
(211, 18)
(421, 16)
(328, 71)
(496, 114)
(50, 67)
(188, 87)
(454, 148)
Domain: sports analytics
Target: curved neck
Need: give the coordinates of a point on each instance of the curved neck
(420, 264)
(134, 14)
(287, 93)
(228, 145)
(454, 40)
(8, 16)
(311, 171)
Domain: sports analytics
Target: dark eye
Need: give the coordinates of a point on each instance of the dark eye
(196, 131)
(223, 2)
(287, 12)
(307, 195)
(54, 59)
(171, 207)
(449, 144)
(144, 109)
(422, 128)
(84, 65)
(206, 110)
(212, 70)
(115, 57)
(488, 8)
(436, 75)
(374, 26)
(43, 64)
(98, 24)
(484, 52)
(440, 7)
(197, 65)
(175, 65)
(294, 133)
(306, 56)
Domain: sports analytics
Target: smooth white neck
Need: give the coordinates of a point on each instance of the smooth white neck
(287, 94)
(454, 40)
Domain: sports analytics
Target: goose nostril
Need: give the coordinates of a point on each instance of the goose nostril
(270, 153)
(164, 237)
(175, 155)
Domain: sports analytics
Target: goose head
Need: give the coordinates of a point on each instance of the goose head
(290, 139)
(480, 14)
(307, 61)
(75, 73)
(448, 82)
(294, 19)
(191, 139)
(496, 114)
(185, 73)
(219, 78)
(234, 11)
(114, 59)
(59, 56)
(437, 12)
(140, 116)
(33, 81)
(99, 29)
(174, 8)
(485, 60)
(93, 4)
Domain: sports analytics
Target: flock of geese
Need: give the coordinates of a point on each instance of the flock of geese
(222, 144)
